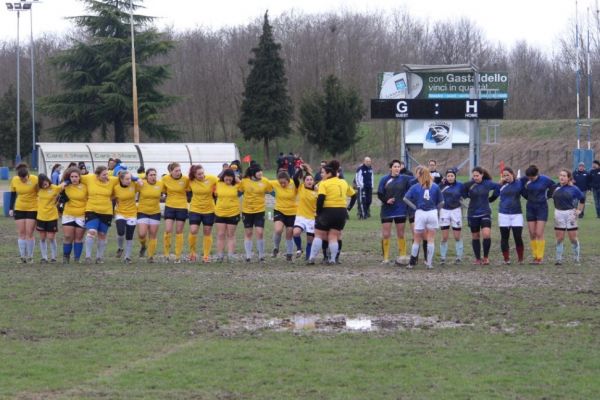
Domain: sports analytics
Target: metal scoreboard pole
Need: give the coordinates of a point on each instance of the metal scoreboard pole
(475, 137)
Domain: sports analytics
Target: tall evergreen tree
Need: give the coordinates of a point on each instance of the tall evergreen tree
(329, 120)
(266, 107)
(96, 75)
(8, 126)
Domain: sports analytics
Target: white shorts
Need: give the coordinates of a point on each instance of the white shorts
(307, 225)
(510, 220)
(426, 220)
(67, 219)
(129, 221)
(565, 219)
(148, 221)
(452, 218)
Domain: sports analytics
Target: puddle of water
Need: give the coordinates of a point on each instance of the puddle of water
(304, 323)
(359, 324)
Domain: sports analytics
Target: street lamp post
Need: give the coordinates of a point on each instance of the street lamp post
(136, 126)
(33, 152)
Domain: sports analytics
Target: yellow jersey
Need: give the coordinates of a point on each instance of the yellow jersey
(228, 202)
(77, 195)
(285, 198)
(176, 190)
(254, 194)
(141, 175)
(47, 210)
(125, 197)
(26, 193)
(335, 190)
(307, 202)
(149, 200)
(99, 193)
(202, 198)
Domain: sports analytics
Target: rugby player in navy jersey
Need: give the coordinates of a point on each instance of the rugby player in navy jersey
(510, 214)
(451, 216)
(568, 204)
(479, 213)
(426, 198)
(535, 190)
(391, 191)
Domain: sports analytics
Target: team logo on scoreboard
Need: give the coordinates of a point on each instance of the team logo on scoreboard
(439, 135)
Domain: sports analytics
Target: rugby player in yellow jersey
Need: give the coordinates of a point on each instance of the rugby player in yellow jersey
(254, 186)
(331, 211)
(148, 213)
(284, 213)
(227, 213)
(307, 208)
(176, 187)
(23, 207)
(125, 214)
(202, 210)
(47, 216)
(98, 211)
(73, 218)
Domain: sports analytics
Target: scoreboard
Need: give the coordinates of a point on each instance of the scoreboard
(443, 109)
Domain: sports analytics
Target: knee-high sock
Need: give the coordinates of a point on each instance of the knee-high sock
(487, 244)
(67, 248)
(298, 242)
(152, 247)
(430, 251)
(576, 250)
(559, 250)
(101, 248)
(443, 249)
(53, 249)
(128, 247)
(289, 246)
(425, 249)
(206, 245)
(402, 247)
(78, 246)
(44, 249)
(534, 249)
(120, 241)
(333, 250)
(518, 236)
(385, 248)
(541, 248)
(192, 243)
(476, 248)
(308, 249)
(30, 247)
(248, 247)
(143, 242)
(460, 248)
(337, 257)
(178, 245)
(414, 251)
(276, 240)
(504, 246)
(89, 245)
(260, 247)
(22, 247)
(325, 247)
(167, 244)
(316, 247)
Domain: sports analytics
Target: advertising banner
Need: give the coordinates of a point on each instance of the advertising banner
(437, 134)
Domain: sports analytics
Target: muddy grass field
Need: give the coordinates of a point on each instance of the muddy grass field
(278, 330)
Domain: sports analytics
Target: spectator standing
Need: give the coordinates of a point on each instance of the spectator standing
(365, 180)
(319, 175)
(581, 178)
(437, 177)
(55, 175)
(594, 185)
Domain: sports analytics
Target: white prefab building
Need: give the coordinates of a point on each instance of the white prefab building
(149, 155)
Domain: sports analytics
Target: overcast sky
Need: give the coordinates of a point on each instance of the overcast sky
(540, 22)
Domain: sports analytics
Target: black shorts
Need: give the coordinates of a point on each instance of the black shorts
(331, 218)
(227, 220)
(178, 214)
(202, 219)
(24, 215)
(478, 223)
(155, 217)
(104, 218)
(254, 220)
(288, 220)
(46, 226)
(396, 220)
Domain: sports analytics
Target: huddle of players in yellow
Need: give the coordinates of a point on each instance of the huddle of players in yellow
(92, 202)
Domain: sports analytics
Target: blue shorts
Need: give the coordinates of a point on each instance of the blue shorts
(202, 219)
(178, 214)
(536, 212)
(97, 224)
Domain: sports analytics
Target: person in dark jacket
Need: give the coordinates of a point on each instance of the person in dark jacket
(594, 185)
(365, 180)
(581, 178)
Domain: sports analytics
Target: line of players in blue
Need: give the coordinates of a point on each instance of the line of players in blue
(429, 201)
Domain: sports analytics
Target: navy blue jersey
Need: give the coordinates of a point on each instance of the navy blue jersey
(393, 187)
(594, 177)
(424, 199)
(536, 191)
(566, 197)
(479, 195)
(582, 179)
(510, 198)
(452, 194)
